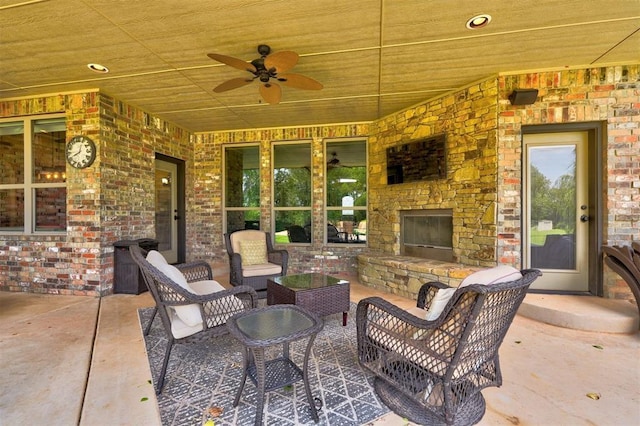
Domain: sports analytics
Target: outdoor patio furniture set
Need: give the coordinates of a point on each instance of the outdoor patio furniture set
(430, 363)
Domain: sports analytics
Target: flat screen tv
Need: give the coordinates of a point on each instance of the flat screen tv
(423, 159)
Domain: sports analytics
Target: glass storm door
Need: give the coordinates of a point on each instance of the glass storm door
(556, 210)
(167, 210)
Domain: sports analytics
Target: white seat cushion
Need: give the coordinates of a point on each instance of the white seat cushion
(259, 270)
(179, 329)
(231, 304)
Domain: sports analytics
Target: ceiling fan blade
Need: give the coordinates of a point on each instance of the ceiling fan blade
(271, 92)
(281, 61)
(233, 62)
(299, 81)
(234, 83)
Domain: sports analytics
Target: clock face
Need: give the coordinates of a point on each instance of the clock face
(81, 152)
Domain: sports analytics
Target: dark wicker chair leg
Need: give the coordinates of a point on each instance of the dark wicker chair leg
(153, 316)
(165, 363)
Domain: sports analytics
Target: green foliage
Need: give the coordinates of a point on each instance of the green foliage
(555, 202)
(292, 187)
(251, 188)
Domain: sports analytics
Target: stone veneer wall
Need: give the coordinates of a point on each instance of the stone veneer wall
(208, 242)
(109, 201)
(468, 118)
(607, 94)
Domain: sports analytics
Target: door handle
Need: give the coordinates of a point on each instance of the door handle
(584, 218)
(176, 217)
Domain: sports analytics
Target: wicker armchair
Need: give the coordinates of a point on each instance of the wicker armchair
(625, 261)
(297, 234)
(253, 260)
(192, 306)
(432, 371)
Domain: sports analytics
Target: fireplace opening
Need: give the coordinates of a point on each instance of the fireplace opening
(427, 234)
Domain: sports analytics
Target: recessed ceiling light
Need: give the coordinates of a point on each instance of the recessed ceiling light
(98, 68)
(478, 21)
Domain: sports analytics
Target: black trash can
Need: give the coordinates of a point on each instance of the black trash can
(127, 277)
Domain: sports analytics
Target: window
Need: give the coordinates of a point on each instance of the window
(292, 192)
(346, 191)
(242, 187)
(33, 191)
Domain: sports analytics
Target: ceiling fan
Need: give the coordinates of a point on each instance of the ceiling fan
(334, 161)
(268, 68)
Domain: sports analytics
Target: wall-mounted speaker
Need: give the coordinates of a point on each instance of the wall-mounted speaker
(523, 96)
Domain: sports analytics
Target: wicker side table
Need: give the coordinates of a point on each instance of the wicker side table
(321, 294)
(261, 328)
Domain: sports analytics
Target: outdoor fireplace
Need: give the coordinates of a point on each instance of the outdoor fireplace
(427, 234)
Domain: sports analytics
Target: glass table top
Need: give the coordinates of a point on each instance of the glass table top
(273, 323)
(308, 281)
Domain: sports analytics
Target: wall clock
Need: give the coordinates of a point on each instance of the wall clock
(81, 152)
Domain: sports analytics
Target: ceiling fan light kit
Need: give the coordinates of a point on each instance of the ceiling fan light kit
(268, 69)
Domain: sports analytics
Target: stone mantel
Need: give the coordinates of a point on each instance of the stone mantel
(404, 275)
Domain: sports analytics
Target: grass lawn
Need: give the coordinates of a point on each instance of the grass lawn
(538, 237)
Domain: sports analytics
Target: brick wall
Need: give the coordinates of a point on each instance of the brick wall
(109, 201)
(207, 239)
(608, 94)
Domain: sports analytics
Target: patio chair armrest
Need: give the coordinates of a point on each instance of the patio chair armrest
(383, 328)
(280, 257)
(245, 293)
(196, 271)
(427, 292)
(383, 308)
(377, 316)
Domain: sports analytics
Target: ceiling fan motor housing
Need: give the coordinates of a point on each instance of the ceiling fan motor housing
(262, 72)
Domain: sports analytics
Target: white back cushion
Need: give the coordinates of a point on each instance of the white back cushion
(245, 235)
(499, 274)
(438, 303)
(156, 258)
(189, 314)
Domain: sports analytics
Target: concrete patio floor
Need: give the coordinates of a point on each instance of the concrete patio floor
(81, 361)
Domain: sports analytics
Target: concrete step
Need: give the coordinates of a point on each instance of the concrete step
(587, 313)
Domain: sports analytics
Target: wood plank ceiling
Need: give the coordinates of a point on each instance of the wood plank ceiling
(374, 57)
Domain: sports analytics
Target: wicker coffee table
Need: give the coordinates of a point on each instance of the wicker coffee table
(261, 328)
(321, 294)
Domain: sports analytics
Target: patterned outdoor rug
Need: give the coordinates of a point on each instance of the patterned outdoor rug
(203, 379)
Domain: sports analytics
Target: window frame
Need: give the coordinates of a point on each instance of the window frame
(226, 209)
(327, 155)
(28, 186)
(274, 208)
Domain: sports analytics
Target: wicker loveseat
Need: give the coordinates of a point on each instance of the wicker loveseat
(431, 371)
